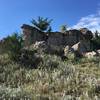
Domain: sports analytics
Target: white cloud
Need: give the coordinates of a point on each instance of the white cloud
(91, 22)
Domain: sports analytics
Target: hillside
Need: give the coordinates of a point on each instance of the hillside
(50, 65)
(76, 80)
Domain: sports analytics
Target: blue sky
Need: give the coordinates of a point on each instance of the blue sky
(74, 13)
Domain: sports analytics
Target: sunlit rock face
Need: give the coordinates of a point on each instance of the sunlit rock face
(81, 47)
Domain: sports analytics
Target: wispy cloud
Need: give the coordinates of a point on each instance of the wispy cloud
(91, 21)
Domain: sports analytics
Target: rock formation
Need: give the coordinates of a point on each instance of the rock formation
(78, 40)
(31, 34)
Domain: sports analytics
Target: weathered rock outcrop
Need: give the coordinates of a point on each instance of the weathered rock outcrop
(32, 34)
(88, 35)
(72, 37)
(55, 42)
(55, 38)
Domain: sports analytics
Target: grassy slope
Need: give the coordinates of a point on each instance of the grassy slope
(76, 80)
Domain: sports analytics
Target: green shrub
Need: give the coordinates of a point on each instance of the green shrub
(12, 45)
(30, 58)
(96, 41)
(50, 61)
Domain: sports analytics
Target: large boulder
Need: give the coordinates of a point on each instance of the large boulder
(98, 52)
(92, 54)
(68, 52)
(39, 46)
(81, 47)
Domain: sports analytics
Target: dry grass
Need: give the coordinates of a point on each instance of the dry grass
(71, 80)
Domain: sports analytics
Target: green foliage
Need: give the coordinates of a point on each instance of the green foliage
(63, 28)
(42, 24)
(96, 41)
(50, 61)
(12, 45)
(29, 58)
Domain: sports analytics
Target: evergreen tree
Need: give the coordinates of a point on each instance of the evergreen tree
(42, 24)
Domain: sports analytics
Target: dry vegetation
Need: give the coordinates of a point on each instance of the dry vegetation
(54, 79)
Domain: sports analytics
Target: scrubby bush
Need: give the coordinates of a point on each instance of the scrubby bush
(50, 61)
(12, 45)
(30, 58)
